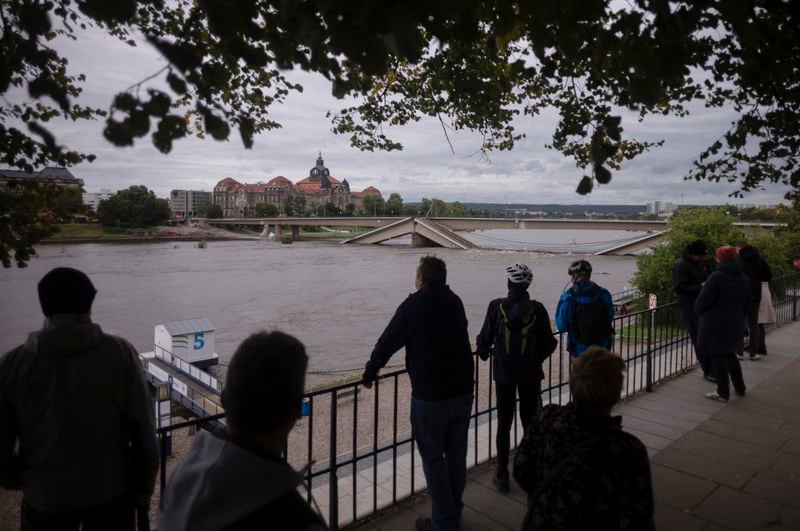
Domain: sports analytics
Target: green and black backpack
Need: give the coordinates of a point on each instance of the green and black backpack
(516, 325)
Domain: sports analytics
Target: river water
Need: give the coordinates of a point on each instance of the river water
(336, 298)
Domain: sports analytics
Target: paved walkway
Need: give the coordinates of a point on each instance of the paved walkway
(714, 465)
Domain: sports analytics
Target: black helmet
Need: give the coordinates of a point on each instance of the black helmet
(580, 267)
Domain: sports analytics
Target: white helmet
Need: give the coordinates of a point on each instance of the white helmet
(519, 274)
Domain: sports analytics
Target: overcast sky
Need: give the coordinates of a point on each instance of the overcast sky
(425, 168)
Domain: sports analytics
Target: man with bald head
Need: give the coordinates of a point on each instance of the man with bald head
(76, 417)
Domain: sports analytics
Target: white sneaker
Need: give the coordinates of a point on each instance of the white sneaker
(740, 357)
(714, 396)
(755, 357)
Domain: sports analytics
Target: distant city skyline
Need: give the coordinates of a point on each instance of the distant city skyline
(529, 174)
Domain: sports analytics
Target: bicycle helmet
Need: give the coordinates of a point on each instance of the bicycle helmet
(580, 267)
(519, 274)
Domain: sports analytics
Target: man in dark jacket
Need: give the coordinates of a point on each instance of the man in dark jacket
(688, 275)
(757, 271)
(241, 482)
(722, 304)
(432, 326)
(77, 431)
(517, 332)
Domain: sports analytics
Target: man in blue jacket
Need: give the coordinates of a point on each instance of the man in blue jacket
(432, 326)
(585, 312)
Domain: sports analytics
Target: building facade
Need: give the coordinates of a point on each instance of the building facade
(186, 204)
(92, 200)
(318, 188)
(50, 175)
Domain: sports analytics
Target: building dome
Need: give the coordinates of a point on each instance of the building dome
(280, 182)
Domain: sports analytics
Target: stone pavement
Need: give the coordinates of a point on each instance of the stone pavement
(714, 465)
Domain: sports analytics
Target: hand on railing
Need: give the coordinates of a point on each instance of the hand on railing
(483, 355)
(367, 383)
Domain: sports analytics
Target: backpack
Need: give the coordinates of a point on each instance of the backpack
(517, 324)
(590, 323)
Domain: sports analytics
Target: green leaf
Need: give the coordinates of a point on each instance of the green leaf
(585, 186)
(216, 126)
(602, 174)
(125, 101)
(177, 84)
(159, 103)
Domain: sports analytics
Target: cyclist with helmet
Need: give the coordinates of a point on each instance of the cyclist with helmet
(517, 331)
(585, 312)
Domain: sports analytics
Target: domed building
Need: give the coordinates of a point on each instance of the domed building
(318, 188)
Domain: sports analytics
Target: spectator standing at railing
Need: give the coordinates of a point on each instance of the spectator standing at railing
(240, 481)
(77, 429)
(585, 311)
(758, 272)
(432, 326)
(517, 332)
(722, 306)
(580, 470)
(688, 275)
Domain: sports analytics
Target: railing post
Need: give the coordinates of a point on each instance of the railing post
(794, 300)
(333, 483)
(649, 355)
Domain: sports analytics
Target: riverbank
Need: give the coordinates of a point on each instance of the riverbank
(76, 233)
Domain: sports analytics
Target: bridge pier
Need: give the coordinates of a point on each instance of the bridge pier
(295, 232)
(278, 232)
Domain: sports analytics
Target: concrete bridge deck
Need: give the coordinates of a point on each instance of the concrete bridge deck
(714, 465)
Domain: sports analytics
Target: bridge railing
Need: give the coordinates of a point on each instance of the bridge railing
(354, 445)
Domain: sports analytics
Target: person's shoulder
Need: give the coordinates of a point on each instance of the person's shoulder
(11, 358)
(630, 443)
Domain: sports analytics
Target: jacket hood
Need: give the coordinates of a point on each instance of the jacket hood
(731, 267)
(218, 483)
(64, 335)
(748, 253)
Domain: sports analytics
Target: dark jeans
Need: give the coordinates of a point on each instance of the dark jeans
(762, 340)
(116, 514)
(725, 365)
(753, 330)
(692, 322)
(440, 429)
(506, 408)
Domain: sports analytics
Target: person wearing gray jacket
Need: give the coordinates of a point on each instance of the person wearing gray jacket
(238, 480)
(77, 429)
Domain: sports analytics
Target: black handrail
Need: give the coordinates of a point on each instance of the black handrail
(653, 343)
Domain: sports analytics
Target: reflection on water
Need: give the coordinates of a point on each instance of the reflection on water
(336, 298)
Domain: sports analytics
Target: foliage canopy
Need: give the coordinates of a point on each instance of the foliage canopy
(134, 207)
(472, 64)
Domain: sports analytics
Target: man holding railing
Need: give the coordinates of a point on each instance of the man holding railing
(432, 326)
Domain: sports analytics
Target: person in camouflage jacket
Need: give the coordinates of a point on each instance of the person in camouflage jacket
(580, 470)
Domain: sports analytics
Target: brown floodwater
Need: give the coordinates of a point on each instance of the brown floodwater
(336, 298)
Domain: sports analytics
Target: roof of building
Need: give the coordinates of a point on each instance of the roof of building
(255, 187)
(188, 326)
(47, 174)
(228, 183)
(281, 181)
(369, 190)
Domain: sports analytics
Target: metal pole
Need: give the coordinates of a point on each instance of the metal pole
(333, 494)
(649, 358)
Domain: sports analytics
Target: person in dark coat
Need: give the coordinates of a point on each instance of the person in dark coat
(688, 275)
(517, 332)
(757, 271)
(722, 305)
(432, 326)
(240, 481)
(580, 469)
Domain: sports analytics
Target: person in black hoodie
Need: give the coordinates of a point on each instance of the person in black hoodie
(688, 275)
(240, 481)
(722, 304)
(517, 332)
(432, 326)
(757, 271)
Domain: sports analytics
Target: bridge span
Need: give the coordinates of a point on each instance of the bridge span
(441, 231)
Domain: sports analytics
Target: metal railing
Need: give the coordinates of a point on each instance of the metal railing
(355, 445)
